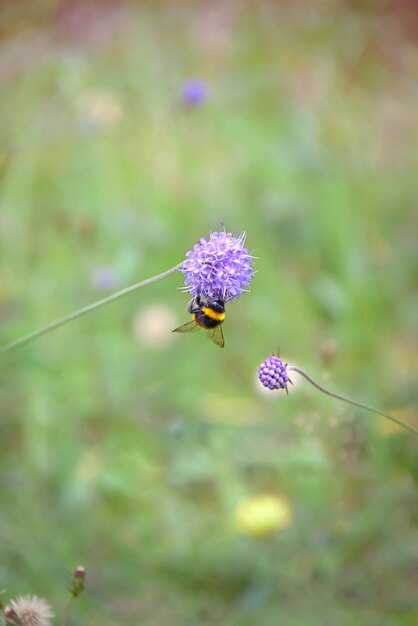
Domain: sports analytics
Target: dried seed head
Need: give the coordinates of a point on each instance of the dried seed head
(31, 611)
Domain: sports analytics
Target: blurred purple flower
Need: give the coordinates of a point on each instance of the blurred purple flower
(218, 268)
(104, 278)
(194, 92)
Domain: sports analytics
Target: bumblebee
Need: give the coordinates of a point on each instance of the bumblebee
(208, 315)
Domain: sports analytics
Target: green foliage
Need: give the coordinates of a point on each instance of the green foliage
(130, 456)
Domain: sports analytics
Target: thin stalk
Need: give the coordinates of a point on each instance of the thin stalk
(361, 405)
(67, 610)
(17, 343)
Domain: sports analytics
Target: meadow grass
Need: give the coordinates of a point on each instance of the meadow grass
(128, 449)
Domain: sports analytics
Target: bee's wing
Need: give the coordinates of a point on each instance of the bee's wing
(217, 336)
(186, 328)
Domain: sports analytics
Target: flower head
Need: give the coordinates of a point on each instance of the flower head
(273, 373)
(262, 515)
(194, 92)
(32, 611)
(218, 268)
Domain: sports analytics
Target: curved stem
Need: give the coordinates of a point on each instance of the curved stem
(361, 405)
(17, 343)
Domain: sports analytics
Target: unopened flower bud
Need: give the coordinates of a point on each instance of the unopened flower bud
(78, 581)
(273, 374)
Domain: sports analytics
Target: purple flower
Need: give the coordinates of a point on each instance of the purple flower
(104, 278)
(273, 374)
(194, 92)
(218, 268)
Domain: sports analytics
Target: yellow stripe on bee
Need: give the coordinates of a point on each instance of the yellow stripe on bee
(214, 315)
(197, 322)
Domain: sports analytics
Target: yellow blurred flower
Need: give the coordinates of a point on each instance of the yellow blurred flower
(263, 515)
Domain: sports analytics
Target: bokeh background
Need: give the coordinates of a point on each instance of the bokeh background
(153, 459)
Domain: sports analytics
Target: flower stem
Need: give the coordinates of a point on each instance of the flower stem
(361, 405)
(67, 610)
(17, 343)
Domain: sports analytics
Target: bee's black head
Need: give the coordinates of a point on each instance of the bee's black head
(217, 305)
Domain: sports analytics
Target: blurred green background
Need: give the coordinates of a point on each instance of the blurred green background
(148, 457)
